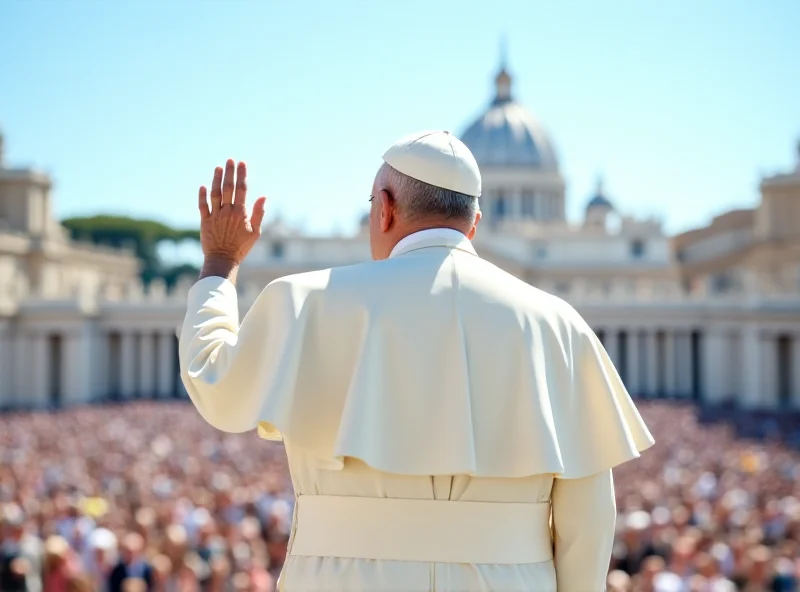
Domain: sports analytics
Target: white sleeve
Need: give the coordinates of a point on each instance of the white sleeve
(227, 369)
(584, 517)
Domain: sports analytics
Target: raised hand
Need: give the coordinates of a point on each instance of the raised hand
(227, 232)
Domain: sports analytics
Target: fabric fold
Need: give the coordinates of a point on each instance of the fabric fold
(431, 363)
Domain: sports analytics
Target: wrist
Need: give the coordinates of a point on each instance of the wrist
(219, 266)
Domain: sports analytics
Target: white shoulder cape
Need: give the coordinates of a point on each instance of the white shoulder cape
(434, 363)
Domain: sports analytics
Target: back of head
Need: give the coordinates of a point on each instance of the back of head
(132, 546)
(419, 202)
(427, 180)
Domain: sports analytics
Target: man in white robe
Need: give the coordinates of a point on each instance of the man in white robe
(448, 426)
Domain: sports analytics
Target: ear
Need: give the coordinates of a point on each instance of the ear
(386, 211)
(474, 229)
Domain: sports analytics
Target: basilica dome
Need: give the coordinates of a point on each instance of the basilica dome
(508, 135)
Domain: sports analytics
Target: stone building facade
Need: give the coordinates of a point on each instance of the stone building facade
(712, 314)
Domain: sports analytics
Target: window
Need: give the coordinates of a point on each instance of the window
(721, 283)
(540, 250)
(277, 250)
(637, 248)
(500, 207)
(528, 204)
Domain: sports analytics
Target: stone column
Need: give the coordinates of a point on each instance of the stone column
(37, 393)
(651, 385)
(76, 355)
(670, 365)
(166, 365)
(147, 371)
(714, 367)
(101, 369)
(612, 345)
(515, 205)
(634, 369)
(127, 385)
(680, 363)
(21, 368)
(752, 379)
(769, 375)
(6, 382)
(688, 363)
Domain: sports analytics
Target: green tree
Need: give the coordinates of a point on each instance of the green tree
(143, 235)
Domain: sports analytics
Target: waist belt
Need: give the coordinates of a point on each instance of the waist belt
(421, 530)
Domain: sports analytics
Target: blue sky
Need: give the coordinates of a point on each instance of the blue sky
(681, 105)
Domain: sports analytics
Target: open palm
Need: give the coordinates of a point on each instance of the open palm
(226, 230)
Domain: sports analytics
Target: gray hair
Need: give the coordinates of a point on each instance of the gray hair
(417, 200)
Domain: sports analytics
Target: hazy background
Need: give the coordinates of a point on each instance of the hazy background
(130, 104)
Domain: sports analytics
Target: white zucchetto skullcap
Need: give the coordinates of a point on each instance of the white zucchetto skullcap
(437, 158)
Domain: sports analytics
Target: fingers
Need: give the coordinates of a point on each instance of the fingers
(216, 189)
(203, 203)
(227, 183)
(240, 193)
(257, 217)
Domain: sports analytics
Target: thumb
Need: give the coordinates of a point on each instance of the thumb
(257, 217)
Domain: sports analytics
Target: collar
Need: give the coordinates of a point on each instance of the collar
(433, 237)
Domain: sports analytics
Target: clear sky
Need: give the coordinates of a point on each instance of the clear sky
(681, 105)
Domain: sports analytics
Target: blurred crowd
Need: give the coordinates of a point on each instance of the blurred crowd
(706, 511)
(141, 497)
(148, 497)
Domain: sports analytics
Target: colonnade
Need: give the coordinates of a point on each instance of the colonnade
(143, 364)
(754, 366)
(57, 367)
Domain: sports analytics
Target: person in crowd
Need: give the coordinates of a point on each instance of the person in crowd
(21, 553)
(708, 494)
(61, 564)
(100, 557)
(133, 564)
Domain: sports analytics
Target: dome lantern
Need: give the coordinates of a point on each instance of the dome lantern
(598, 208)
(599, 200)
(503, 85)
(507, 134)
(502, 81)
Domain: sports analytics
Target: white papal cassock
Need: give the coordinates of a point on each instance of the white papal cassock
(448, 426)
